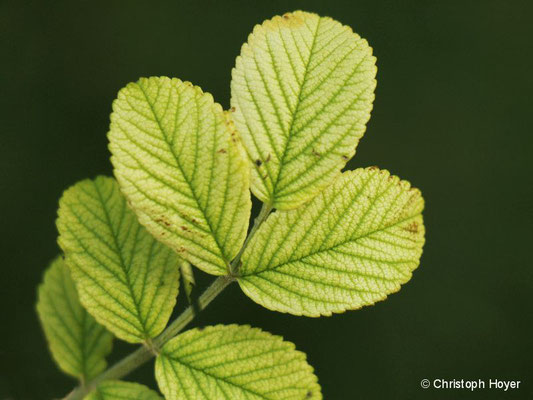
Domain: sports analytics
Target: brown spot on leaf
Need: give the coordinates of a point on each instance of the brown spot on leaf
(316, 153)
(412, 227)
(345, 157)
(258, 162)
(162, 220)
(268, 158)
(184, 228)
(233, 109)
(222, 151)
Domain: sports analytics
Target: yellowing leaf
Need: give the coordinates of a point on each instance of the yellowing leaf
(179, 162)
(234, 363)
(126, 279)
(353, 244)
(120, 390)
(302, 92)
(78, 344)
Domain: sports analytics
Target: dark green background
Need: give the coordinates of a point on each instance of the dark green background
(452, 115)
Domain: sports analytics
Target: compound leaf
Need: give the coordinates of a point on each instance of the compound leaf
(77, 342)
(350, 246)
(302, 91)
(120, 390)
(234, 363)
(179, 162)
(126, 279)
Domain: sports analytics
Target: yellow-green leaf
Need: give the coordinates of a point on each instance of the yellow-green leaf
(120, 390)
(179, 162)
(77, 342)
(302, 92)
(126, 279)
(351, 246)
(234, 363)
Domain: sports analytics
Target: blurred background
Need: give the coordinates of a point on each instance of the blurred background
(452, 115)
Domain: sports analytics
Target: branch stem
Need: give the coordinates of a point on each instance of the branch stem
(263, 214)
(145, 353)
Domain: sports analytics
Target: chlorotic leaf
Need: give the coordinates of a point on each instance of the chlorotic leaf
(234, 363)
(179, 162)
(187, 275)
(301, 91)
(126, 279)
(78, 343)
(120, 390)
(350, 246)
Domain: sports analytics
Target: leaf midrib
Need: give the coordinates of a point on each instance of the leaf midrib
(329, 249)
(296, 108)
(178, 164)
(121, 258)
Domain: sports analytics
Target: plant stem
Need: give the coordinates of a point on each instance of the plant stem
(144, 353)
(149, 350)
(263, 214)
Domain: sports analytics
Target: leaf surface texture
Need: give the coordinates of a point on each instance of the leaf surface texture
(126, 279)
(179, 162)
(120, 390)
(234, 363)
(350, 246)
(78, 343)
(302, 91)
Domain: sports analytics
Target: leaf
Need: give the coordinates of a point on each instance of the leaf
(353, 244)
(178, 160)
(78, 344)
(120, 390)
(234, 363)
(187, 275)
(126, 279)
(302, 91)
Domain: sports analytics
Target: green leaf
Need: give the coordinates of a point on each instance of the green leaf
(78, 344)
(120, 390)
(353, 244)
(179, 162)
(302, 92)
(126, 279)
(187, 274)
(234, 363)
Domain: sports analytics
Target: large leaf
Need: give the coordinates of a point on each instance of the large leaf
(78, 344)
(126, 279)
(234, 363)
(353, 244)
(179, 162)
(120, 390)
(302, 92)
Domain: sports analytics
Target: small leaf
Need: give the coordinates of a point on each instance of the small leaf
(78, 344)
(353, 244)
(234, 363)
(302, 91)
(179, 162)
(120, 390)
(126, 279)
(187, 274)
